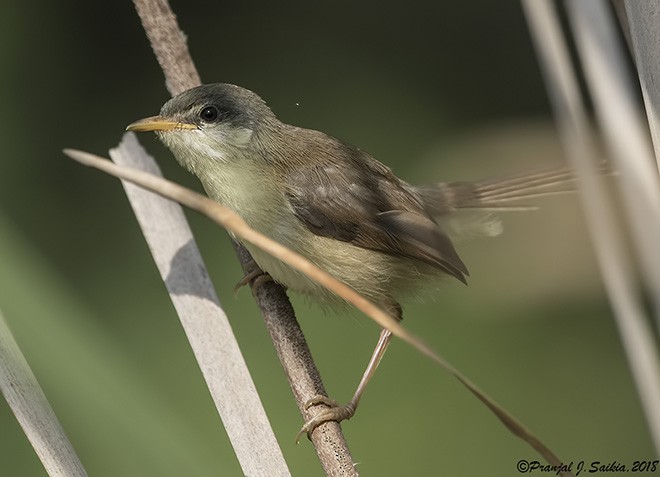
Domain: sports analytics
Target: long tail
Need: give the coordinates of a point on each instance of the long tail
(498, 194)
(466, 209)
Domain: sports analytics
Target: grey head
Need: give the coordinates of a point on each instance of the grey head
(212, 104)
(212, 121)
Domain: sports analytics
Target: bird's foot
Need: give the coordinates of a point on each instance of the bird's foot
(255, 276)
(333, 412)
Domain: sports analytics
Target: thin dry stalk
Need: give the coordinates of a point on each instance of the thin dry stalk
(625, 132)
(169, 45)
(27, 401)
(643, 19)
(605, 232)
(209, 333)
(611, 86)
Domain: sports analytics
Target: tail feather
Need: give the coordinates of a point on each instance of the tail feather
(465, 208)
(447, 197)
(523, 186)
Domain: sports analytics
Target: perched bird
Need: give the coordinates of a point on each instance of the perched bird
(330, 202)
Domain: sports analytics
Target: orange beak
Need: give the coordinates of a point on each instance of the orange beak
(158, 123)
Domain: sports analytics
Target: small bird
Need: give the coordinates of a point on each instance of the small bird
(332, 203)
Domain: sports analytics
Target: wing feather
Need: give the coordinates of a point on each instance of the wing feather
(367, 206)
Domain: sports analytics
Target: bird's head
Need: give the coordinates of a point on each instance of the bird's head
(213, 122)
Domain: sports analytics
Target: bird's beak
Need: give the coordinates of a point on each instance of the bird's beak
(158, 123)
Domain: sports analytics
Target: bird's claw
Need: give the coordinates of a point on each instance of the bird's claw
(257, 277)
(333, 412)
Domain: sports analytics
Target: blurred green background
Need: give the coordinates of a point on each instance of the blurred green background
(438, 91)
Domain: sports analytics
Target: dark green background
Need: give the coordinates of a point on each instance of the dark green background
(438, 91)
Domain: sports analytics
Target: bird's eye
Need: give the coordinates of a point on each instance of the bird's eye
(209, 114)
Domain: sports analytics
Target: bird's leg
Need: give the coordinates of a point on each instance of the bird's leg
(254, 275)
(336, 412)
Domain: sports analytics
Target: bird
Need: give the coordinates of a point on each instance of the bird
(333, 203)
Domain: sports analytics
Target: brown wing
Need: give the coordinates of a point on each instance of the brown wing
(364, 204)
